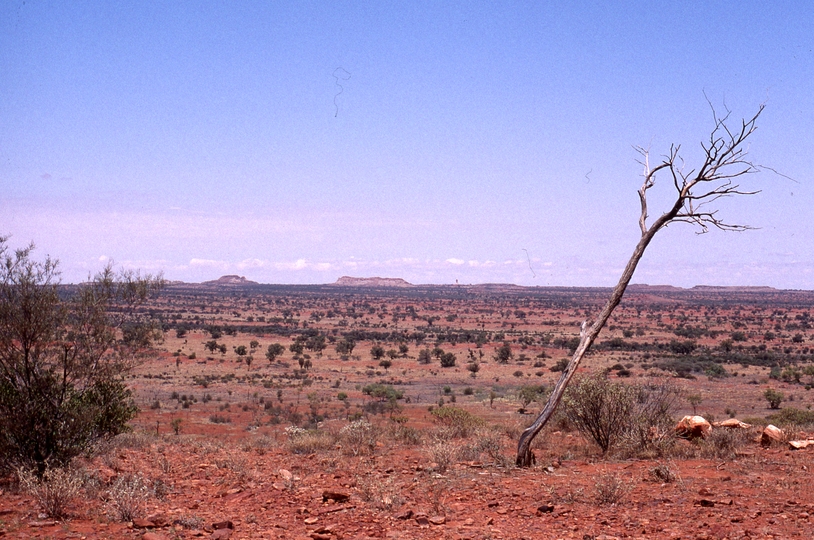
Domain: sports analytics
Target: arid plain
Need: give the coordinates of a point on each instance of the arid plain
(375, 409)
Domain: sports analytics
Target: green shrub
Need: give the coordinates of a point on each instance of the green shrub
(62, 384)
(774, 397)
(792, 417)
(458, 422)
(610, 412)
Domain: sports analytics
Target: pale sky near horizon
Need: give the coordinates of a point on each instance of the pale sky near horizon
(296, 142)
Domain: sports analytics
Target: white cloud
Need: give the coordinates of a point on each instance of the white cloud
(455, 261)
(208, 263)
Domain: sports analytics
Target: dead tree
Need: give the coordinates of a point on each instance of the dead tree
(725, 161)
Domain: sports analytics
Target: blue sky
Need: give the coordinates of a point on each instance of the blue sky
(434, 141)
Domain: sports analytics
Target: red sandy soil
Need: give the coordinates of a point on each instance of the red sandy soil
(245, 472)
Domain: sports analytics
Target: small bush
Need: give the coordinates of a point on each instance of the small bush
(54, 492)
(384, 494)
(600, 409)
(610, 489)
(792, 417)
(612, 413)
(308, 441)
(457, 422)
(443, 453)
(128, 496)
(360, 436)
(774, 397)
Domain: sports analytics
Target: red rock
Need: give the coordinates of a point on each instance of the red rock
(800, 445)
(336, 496)
(223, 525)
(732, 423)
(154, 536)
(692, 427)
(160, 520)
(221, 534)
(139, 523)
(545, 509)
(771, 434)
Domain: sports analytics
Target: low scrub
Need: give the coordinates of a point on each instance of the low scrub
(792, 417)
(456, 422)
(359, 436)
(308, 441)
(128, 496)
(54, 491)
(610, 413)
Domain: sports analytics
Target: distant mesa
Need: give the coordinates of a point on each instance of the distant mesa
(230, 280)
(347, 281)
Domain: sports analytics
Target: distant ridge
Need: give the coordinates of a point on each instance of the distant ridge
(230, 280)
(735, 288)
(347, 281)
(645, 288)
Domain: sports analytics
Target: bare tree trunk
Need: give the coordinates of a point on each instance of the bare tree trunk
(724, 160)
(587, 336)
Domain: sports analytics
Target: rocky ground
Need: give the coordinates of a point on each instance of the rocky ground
(184, 486)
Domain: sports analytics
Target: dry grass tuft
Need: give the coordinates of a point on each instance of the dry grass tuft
(54, 491)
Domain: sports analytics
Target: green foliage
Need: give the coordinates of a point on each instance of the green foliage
(382, 392)
(459, 422)
(560, 365)
(792, 417)
(774, 397)
(528, 394)
(424, 356)
(377, 352)
(503, 354)
(448, 360)
(608, 412)
(63, 354)
(274, 350)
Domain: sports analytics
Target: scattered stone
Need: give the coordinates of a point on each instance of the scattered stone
(771, 434)
(310, 520)
(223, 525)
(692, 427)
(732, 423)
(407, 514)
(336, 496)
(706, 503)
(41, 523)
(438, 520)
(800, 445)
(545, 509)
(221, 534)
(140, 523)
(154, 536)
(160, 520)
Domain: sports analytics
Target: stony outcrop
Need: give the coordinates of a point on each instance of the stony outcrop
(347, 281)
(692, 427)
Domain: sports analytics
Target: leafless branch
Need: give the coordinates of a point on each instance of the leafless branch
(725, 159)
